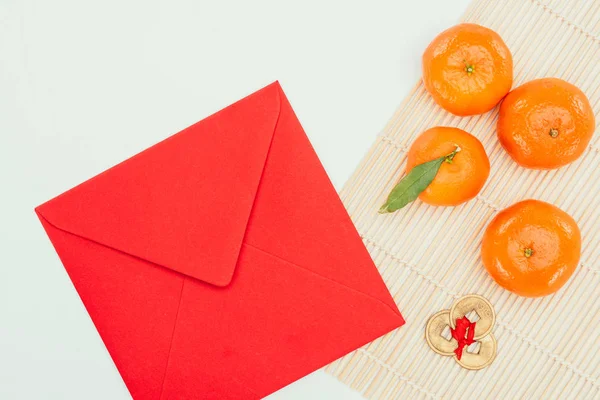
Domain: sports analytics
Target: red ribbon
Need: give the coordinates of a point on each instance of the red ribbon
(464, 334)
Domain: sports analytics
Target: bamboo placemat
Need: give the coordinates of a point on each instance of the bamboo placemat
(547, 347)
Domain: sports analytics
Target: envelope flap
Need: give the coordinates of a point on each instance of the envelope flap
(184, 203)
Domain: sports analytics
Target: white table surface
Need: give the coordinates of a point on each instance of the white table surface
(85, 84)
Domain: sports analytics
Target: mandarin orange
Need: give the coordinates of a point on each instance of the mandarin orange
(459, 180)
(545, 123)
(531, 248)
(467, 69)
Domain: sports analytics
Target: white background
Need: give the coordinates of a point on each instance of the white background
(86, 84)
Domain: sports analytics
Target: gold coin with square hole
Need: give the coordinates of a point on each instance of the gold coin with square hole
(433, 334)
(484, 309)
(484, 357)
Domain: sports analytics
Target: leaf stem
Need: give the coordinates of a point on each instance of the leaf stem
(450, 156)
(469, 68)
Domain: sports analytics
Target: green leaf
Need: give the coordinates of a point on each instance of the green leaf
(410, 187)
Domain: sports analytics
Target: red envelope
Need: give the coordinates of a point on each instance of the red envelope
(220, 263)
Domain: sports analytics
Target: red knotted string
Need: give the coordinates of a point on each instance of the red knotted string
(464, 334)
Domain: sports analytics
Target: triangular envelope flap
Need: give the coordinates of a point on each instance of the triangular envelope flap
(184, 203)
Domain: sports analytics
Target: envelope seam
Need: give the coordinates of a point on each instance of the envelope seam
(184, 279)
(262, 173)
(162, 385)
(326, 278)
